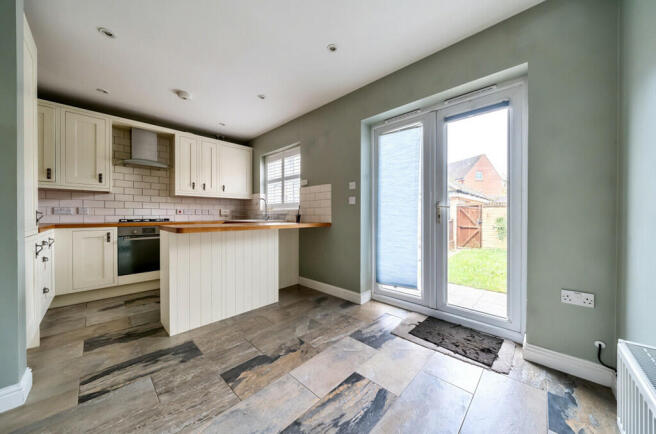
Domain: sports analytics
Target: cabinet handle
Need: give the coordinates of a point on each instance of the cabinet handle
(44, 259)
(193, 186)
(39, 216)
(51, 241)
(100, 178)
(46, 290)
(223, 187)
(38, 249)
(48, 173)
(109, 237)
(203, 186)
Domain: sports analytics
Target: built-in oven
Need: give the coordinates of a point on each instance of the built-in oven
(138, 249)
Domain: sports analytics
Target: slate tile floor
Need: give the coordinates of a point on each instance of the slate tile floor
(310, 363)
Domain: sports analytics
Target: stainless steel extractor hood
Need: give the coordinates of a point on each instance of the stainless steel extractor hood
(144, 149)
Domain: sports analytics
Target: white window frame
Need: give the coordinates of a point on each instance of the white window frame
(281, 153)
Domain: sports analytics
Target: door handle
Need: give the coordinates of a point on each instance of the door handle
(438, 210)
(109, 237)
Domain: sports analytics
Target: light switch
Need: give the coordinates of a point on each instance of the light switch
(352, 185)
(351, 200)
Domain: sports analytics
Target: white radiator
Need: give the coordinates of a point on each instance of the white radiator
(636, 388)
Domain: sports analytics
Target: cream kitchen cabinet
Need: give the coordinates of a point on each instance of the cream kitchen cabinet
(45, 270)
(209, 168)
(94, 258)
(86, 151)
(186, 165)
(86, 259)
(75, 148)
(30, 130)
(48, 145)
(32, 299)
(39, 282)
(235, 166)
(206, 167)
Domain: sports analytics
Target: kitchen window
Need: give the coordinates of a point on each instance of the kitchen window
(282, 178)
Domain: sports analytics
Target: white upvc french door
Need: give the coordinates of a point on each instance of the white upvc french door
(471, 226)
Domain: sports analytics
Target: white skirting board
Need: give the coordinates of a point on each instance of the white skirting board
(15, 395)
(581, 368)
(353, 297)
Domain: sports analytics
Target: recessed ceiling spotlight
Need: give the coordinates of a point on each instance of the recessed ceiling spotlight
(105, 31)
(332, 48)
(261, 96)
(101, 90)
(182, 94)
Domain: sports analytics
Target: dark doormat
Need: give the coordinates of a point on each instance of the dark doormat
(467, 342)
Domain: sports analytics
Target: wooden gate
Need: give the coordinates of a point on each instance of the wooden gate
(469, 226)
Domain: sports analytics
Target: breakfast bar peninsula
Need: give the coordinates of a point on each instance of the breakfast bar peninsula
(210, 272)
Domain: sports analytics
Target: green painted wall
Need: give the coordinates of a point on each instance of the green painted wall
(12, 294)
(637, 294)
(571, 50)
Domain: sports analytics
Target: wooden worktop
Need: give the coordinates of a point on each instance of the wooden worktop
(47, 226)
(182, 228)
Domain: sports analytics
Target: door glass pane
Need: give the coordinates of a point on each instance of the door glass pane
(398, 213)
(477, 150)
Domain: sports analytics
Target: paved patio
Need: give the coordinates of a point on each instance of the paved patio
(480, 300)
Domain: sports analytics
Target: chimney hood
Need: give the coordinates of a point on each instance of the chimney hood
(144, 149)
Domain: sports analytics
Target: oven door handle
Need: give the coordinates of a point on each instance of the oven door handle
(138, 238)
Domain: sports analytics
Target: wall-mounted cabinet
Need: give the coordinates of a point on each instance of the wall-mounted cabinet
(211, 168)
(75, 148)
(48, 148)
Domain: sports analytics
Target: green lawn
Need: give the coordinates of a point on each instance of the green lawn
(479, 268)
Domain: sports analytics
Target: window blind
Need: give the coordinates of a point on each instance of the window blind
(398, 202)
(283, 177)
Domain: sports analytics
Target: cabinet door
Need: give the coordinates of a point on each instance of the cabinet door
(45, 270)
(186, 165)
(31, 299)
(47, 144)
(94, 258)
(30, 128)
(235, 171)
(209, 168)
(86, 150)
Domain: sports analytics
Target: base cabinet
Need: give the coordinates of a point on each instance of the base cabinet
(39, 281)
(86, 259)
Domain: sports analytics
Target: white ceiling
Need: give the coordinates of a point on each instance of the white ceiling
(226, 52)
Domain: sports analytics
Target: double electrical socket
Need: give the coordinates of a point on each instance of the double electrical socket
(577, 298)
